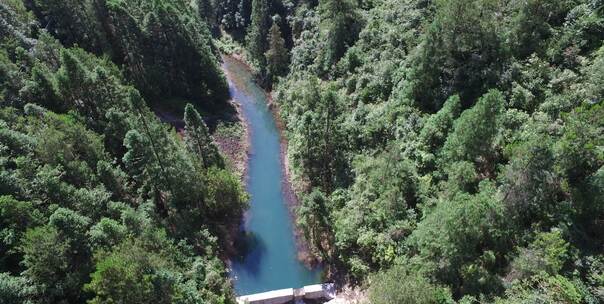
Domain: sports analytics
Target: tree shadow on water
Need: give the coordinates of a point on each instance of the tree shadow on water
(250, 251)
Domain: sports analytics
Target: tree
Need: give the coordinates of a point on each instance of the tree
(436, 129)
(233, 15)
(70, 191)
(257, 32)
(48, 263)
(313, 217)
(73, 22)
(15, 290)
(125, 275)
(42, 89)
(277, 54)
(318, 142)
(339, 25)
(15, 218)
(530, 186)
(199, 142)
(532, 24)
(401, 286)
(379, 213)
(225, 197)
(74, 81)
(458, 239)
(437, 126)
(547, 253)
(460, 53)
(547, 289)
(207, 11)
(474, 131)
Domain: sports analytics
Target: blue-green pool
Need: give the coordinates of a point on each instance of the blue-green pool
(268, 258)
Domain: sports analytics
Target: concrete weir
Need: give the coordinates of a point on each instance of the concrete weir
(289, 295)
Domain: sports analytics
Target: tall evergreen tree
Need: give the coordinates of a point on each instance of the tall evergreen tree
(257, 32)
(198, 139)
(313, 217)
(338, 23)
(276, 56)
(475, 129)
(207, 11)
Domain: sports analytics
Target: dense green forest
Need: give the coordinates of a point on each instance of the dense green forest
(100, 202)
(444, 150)
(451, 150)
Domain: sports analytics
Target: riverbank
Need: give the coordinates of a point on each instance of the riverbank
(268, 258)
(233, 142)
(290, 191)
(230, 134)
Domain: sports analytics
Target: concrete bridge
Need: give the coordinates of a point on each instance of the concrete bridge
(316, 292)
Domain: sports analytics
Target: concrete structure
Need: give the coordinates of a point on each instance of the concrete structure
(279, 296)
(319, 291)
(289, 295)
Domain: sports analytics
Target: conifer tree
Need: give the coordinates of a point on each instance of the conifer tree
(207, 11)
(276, 56)
(475, 129)
(198, 139)
(41, 88)
(258, 30)
(338, 24)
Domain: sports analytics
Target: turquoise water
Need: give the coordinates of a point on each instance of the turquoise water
(268, 254)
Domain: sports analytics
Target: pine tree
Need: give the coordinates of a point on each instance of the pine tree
(207, 11)
(276, 56)
(258, 30)
(198, 139)
(475, 129)
(42, 89)
(338, 22)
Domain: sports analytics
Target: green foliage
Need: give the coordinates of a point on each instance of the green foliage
(317, 145)
(531, 188)
(547, 254)
(257, 32)
(313, 217)
(198, 139)
(461, 139)
(73, 22)
(466, 133)
(133, 274)
(182, 64)
(532, 24)
(15, 218)
(14, 290)
(474, 131)
(461, 53)
(339, 26)
(378, 213)
(276, 55)
(436, 128)
(549, 289)
(50, 264)
(88, 173)
(457, 239)
(400, 286)
(233, 15)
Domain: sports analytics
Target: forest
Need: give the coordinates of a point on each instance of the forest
(100, 202)
(451, 150)
(443, 151)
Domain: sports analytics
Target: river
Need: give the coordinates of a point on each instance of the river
(268, 256)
